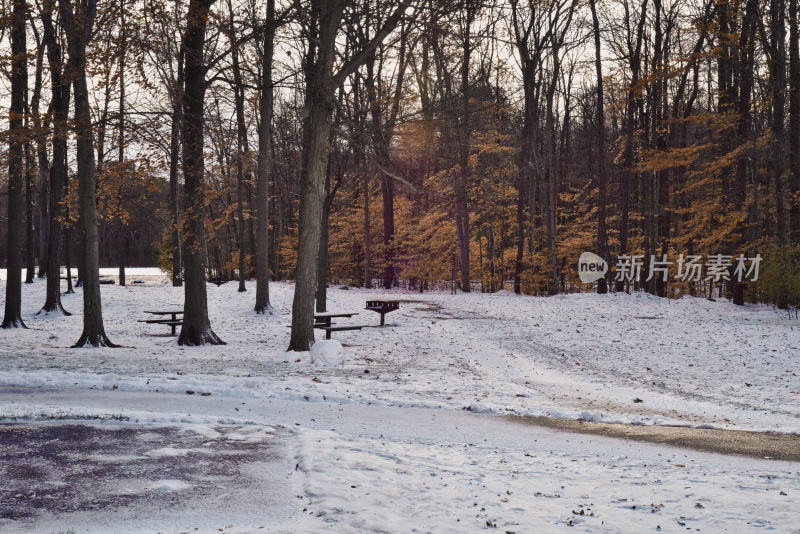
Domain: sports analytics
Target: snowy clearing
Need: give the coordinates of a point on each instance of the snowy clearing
(584, 356)
(379, 436)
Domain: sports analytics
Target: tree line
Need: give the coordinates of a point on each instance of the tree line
(388, 142)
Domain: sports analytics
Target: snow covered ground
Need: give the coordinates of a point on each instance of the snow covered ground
(582, 356)
(421, 462)
(351, 468)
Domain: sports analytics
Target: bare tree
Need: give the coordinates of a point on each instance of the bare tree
(12, 317)
(602, 232)
(59, 105)
(241, 142)
(264, 170)
(78, 24)
(794, 120)
(321, 81)
(196, 329)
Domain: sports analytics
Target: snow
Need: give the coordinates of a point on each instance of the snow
(452, 487)
(327, 353)
(169, 485)
(358, 468)
(109, 271)
(691, 361)
(412, 414)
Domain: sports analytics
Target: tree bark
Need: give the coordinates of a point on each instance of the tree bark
(42, 163)
(321, 296)
(778, 90)
(747, 64)
(602, 237)
(549, 169)
(79, 27)
(630, 116)
(379, 142)
(174, 156)
(30, 250)
(490, 254)
(121, 240)
(525, 182)
(12, 317)
(320, 107)
(196, 329)
(462, 176)
(367, 238)
(794, 120)
(241, 146)
(264, 171)
(67, 235)
(321, 83)
(383, 124)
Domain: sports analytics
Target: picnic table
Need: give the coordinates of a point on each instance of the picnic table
(324, 321)
(172, 322)
(383, 307)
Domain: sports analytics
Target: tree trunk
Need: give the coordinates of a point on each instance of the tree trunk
(121, 241)
(67, 232)
(312, 198)
(778, 88)
(490, 253)
(525, 181)
(322, 267)
(241, 147)
(602, 239)
(321, 83)
(12, 317)
(367, 238)
(44, 207)
(659, 229)
(79, 26)
(380, 140)
(794, 120)
(746, 68)
(630, 115)
(174, 156)
(387, 188)
(30, 251)
(196, 329)
(42, 165)
(462, 176)
(264, 171)
(550, 174)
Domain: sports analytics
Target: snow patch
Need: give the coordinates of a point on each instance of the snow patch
(169, 485)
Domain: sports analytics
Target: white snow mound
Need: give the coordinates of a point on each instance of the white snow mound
(327, 353)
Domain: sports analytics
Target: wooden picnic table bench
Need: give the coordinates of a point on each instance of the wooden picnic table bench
(325, 317)
(383, 307)
(323, 321)
(173, 322)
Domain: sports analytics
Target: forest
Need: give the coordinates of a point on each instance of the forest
(479, 145)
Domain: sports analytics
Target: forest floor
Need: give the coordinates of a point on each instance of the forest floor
(409, 432)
